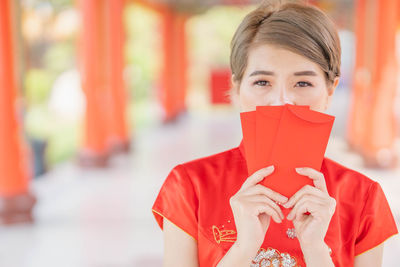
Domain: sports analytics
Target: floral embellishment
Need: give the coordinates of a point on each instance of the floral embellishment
(291, 233)
(272, 257)
(223, 235)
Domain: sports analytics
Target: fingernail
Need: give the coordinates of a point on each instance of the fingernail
(299, 169)
(269, 168)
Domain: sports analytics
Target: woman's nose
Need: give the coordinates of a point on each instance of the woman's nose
(281, 99)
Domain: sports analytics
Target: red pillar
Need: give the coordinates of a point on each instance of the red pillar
(372, 124)
(16, 202)
(181, 60)
(119, 137)
(361, 80)
(93, 76)
(174, 68)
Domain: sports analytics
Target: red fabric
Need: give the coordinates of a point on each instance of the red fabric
(195, 197)
(372, 228)
(184, 201)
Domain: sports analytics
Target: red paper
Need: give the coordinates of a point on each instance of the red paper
(301, 141)
(268, 118)
(287, 137)
(248, 120)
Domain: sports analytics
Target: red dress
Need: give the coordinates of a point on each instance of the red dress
(195, 197)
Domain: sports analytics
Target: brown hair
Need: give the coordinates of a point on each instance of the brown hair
(298, 27)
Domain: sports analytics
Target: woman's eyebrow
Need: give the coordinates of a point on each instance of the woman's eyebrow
(305, 73)
(300, 73)
(258, 72)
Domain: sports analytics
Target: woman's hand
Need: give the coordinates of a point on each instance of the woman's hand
(253, 206)
(311, 229)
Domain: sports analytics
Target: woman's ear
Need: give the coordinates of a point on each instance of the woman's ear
(235, 83)
(331, 90)
(234, 92)
(333, 86)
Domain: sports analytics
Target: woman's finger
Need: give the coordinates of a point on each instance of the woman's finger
(317, 177)
(316, 210)
(261, 208)
(303, 203)
(267, 201)
(305, 190)
(260, 189)
(257, 177)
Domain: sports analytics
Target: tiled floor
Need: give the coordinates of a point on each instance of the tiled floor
(102, 218)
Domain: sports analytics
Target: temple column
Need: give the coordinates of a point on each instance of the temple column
(372, 124)
(16, 201)
(115, 37)
(93, 77)
(174, 68)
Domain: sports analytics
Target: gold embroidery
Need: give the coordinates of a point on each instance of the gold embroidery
(272, 257)
(223, 235)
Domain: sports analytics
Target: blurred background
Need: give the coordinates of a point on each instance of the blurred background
(99, 99)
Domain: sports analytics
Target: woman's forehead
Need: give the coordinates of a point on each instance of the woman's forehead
(269, 58)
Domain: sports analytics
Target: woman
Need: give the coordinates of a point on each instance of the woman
(212, 214)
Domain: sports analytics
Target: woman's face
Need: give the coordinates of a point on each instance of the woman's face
(276, 76)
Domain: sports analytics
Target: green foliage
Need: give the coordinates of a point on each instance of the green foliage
(63, 142)
(210, 34)
(61, 4)
(37, 122)
(60, 57)
(38, 84)
(142, 53)
(63, 137)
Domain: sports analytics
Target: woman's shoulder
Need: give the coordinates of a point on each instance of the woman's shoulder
(225, 155)
(338, 171)
(221, 172)
(215, 164)
(341, 179)
(362, 215)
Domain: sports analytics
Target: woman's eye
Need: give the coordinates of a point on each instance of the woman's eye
(261, 83)
(303, 84)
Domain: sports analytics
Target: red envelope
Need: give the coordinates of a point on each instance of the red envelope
(300, 141)
(267, 123)
(248, 120)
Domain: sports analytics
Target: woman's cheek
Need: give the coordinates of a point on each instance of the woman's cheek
(312, 97)
(247, 102)
(316, 102)
(248, 99)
